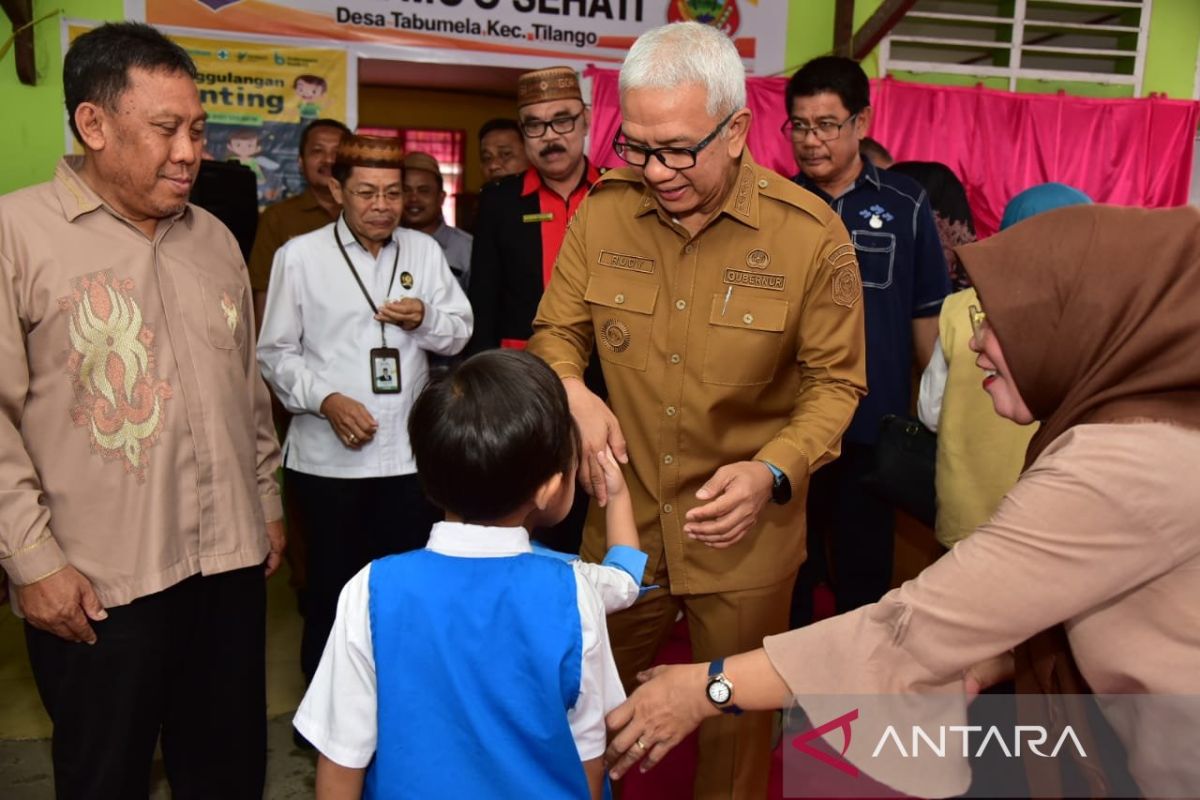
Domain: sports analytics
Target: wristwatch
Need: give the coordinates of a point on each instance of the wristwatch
(720, 688)
(781, 491)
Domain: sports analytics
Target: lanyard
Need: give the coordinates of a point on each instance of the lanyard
(358, 280)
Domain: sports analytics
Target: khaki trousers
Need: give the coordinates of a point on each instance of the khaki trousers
(735, 754)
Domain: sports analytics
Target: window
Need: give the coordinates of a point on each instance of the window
(449, 147)
(1096, 41)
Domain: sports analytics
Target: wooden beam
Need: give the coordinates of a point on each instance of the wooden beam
(879, 25)
(843, 28)
(20, 13)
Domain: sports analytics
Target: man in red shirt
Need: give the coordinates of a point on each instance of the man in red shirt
(520, 227)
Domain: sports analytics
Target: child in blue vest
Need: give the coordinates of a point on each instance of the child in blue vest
(479, 667)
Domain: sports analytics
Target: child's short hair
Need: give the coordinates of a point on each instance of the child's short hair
(490, 432)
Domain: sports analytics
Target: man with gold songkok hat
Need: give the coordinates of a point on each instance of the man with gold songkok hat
(520, 227)
(353, 310)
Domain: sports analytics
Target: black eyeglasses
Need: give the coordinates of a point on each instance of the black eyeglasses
(536, 128)
(676, 158)
(826, 131)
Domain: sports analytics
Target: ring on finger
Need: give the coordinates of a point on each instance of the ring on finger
(641, 746)
(353, 438)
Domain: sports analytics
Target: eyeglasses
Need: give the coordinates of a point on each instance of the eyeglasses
(978, 325)
(369, 195)
(826, 131)
(536, 128)
(676, 158)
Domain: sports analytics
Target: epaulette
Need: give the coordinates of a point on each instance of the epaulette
(790, 193)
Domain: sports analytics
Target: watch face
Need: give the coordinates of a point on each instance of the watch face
(718, 692)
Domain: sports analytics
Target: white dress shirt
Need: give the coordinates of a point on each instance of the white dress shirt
(338, 712)
(318, 333)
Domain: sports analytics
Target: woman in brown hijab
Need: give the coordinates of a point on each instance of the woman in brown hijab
(1090, 325)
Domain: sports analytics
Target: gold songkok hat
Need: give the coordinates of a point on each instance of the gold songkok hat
(542, 85)
(370, 151)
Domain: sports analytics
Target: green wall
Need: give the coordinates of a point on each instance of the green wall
(32, 134)
(1170, 56)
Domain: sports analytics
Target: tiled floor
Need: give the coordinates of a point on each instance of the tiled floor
(25, 772)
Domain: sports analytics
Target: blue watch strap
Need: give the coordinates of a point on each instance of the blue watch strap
(716, 667)
(776, 472)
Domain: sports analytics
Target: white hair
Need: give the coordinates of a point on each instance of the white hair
(682, 53)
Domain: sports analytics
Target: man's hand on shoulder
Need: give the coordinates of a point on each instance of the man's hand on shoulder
(62, 604)
(598, 431)
(736, 493)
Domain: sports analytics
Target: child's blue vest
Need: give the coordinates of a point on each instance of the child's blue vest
(477, 662)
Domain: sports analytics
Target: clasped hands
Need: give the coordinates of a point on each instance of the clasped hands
(735, 494)
(408, 313)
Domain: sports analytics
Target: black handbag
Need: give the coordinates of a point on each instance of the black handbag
(905, 462)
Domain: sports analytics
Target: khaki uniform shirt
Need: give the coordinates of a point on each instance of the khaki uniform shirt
(136, 441)
(743, 342)
(276, 225)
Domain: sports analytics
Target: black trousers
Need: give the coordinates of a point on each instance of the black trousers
(850, 527)
(349, 522)
(188, 662)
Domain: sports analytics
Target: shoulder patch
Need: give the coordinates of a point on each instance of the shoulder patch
(845, 282)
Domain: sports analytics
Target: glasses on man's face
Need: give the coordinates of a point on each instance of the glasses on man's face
(391, 195)
(536, 128)
(676, 158)
(978, 325)
(825, 131)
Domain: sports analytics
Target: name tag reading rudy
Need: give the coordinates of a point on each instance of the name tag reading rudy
(608, 258)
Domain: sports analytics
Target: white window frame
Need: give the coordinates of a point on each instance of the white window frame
(1014, 71)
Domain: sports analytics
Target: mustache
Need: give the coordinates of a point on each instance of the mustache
(551, 148)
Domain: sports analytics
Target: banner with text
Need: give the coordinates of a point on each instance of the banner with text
(489, 32)
(259, 97)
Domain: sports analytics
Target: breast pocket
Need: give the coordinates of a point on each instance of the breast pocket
(623, 318)
(876, 257)
(223, 314)
(744, 339)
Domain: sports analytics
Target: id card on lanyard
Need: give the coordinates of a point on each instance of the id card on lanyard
(384, 360)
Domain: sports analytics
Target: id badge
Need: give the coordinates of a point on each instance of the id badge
(385, 370)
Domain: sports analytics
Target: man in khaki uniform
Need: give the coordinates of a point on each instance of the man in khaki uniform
(725, 304)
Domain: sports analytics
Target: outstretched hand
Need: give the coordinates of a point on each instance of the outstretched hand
(660, 713)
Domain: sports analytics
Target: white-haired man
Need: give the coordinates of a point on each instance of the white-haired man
(725, 304)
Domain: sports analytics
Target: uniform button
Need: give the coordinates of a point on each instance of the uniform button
(763, 183)
(671, 411)
(619, 299)
(667, 507)
(675, 359)
(689, 248)
(748, 319)
(681, 304)
(668, 459)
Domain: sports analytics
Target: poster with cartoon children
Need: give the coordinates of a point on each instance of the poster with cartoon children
(259, 96)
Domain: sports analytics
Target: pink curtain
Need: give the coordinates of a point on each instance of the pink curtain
(764, 96)
(1127, 152)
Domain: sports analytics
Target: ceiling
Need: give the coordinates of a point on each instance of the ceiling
(498, 81)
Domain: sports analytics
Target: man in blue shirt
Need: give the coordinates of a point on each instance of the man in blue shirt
(904, 280)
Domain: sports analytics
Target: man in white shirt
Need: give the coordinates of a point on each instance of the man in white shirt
(352, 311)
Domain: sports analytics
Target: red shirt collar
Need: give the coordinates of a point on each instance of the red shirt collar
(533, 179)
